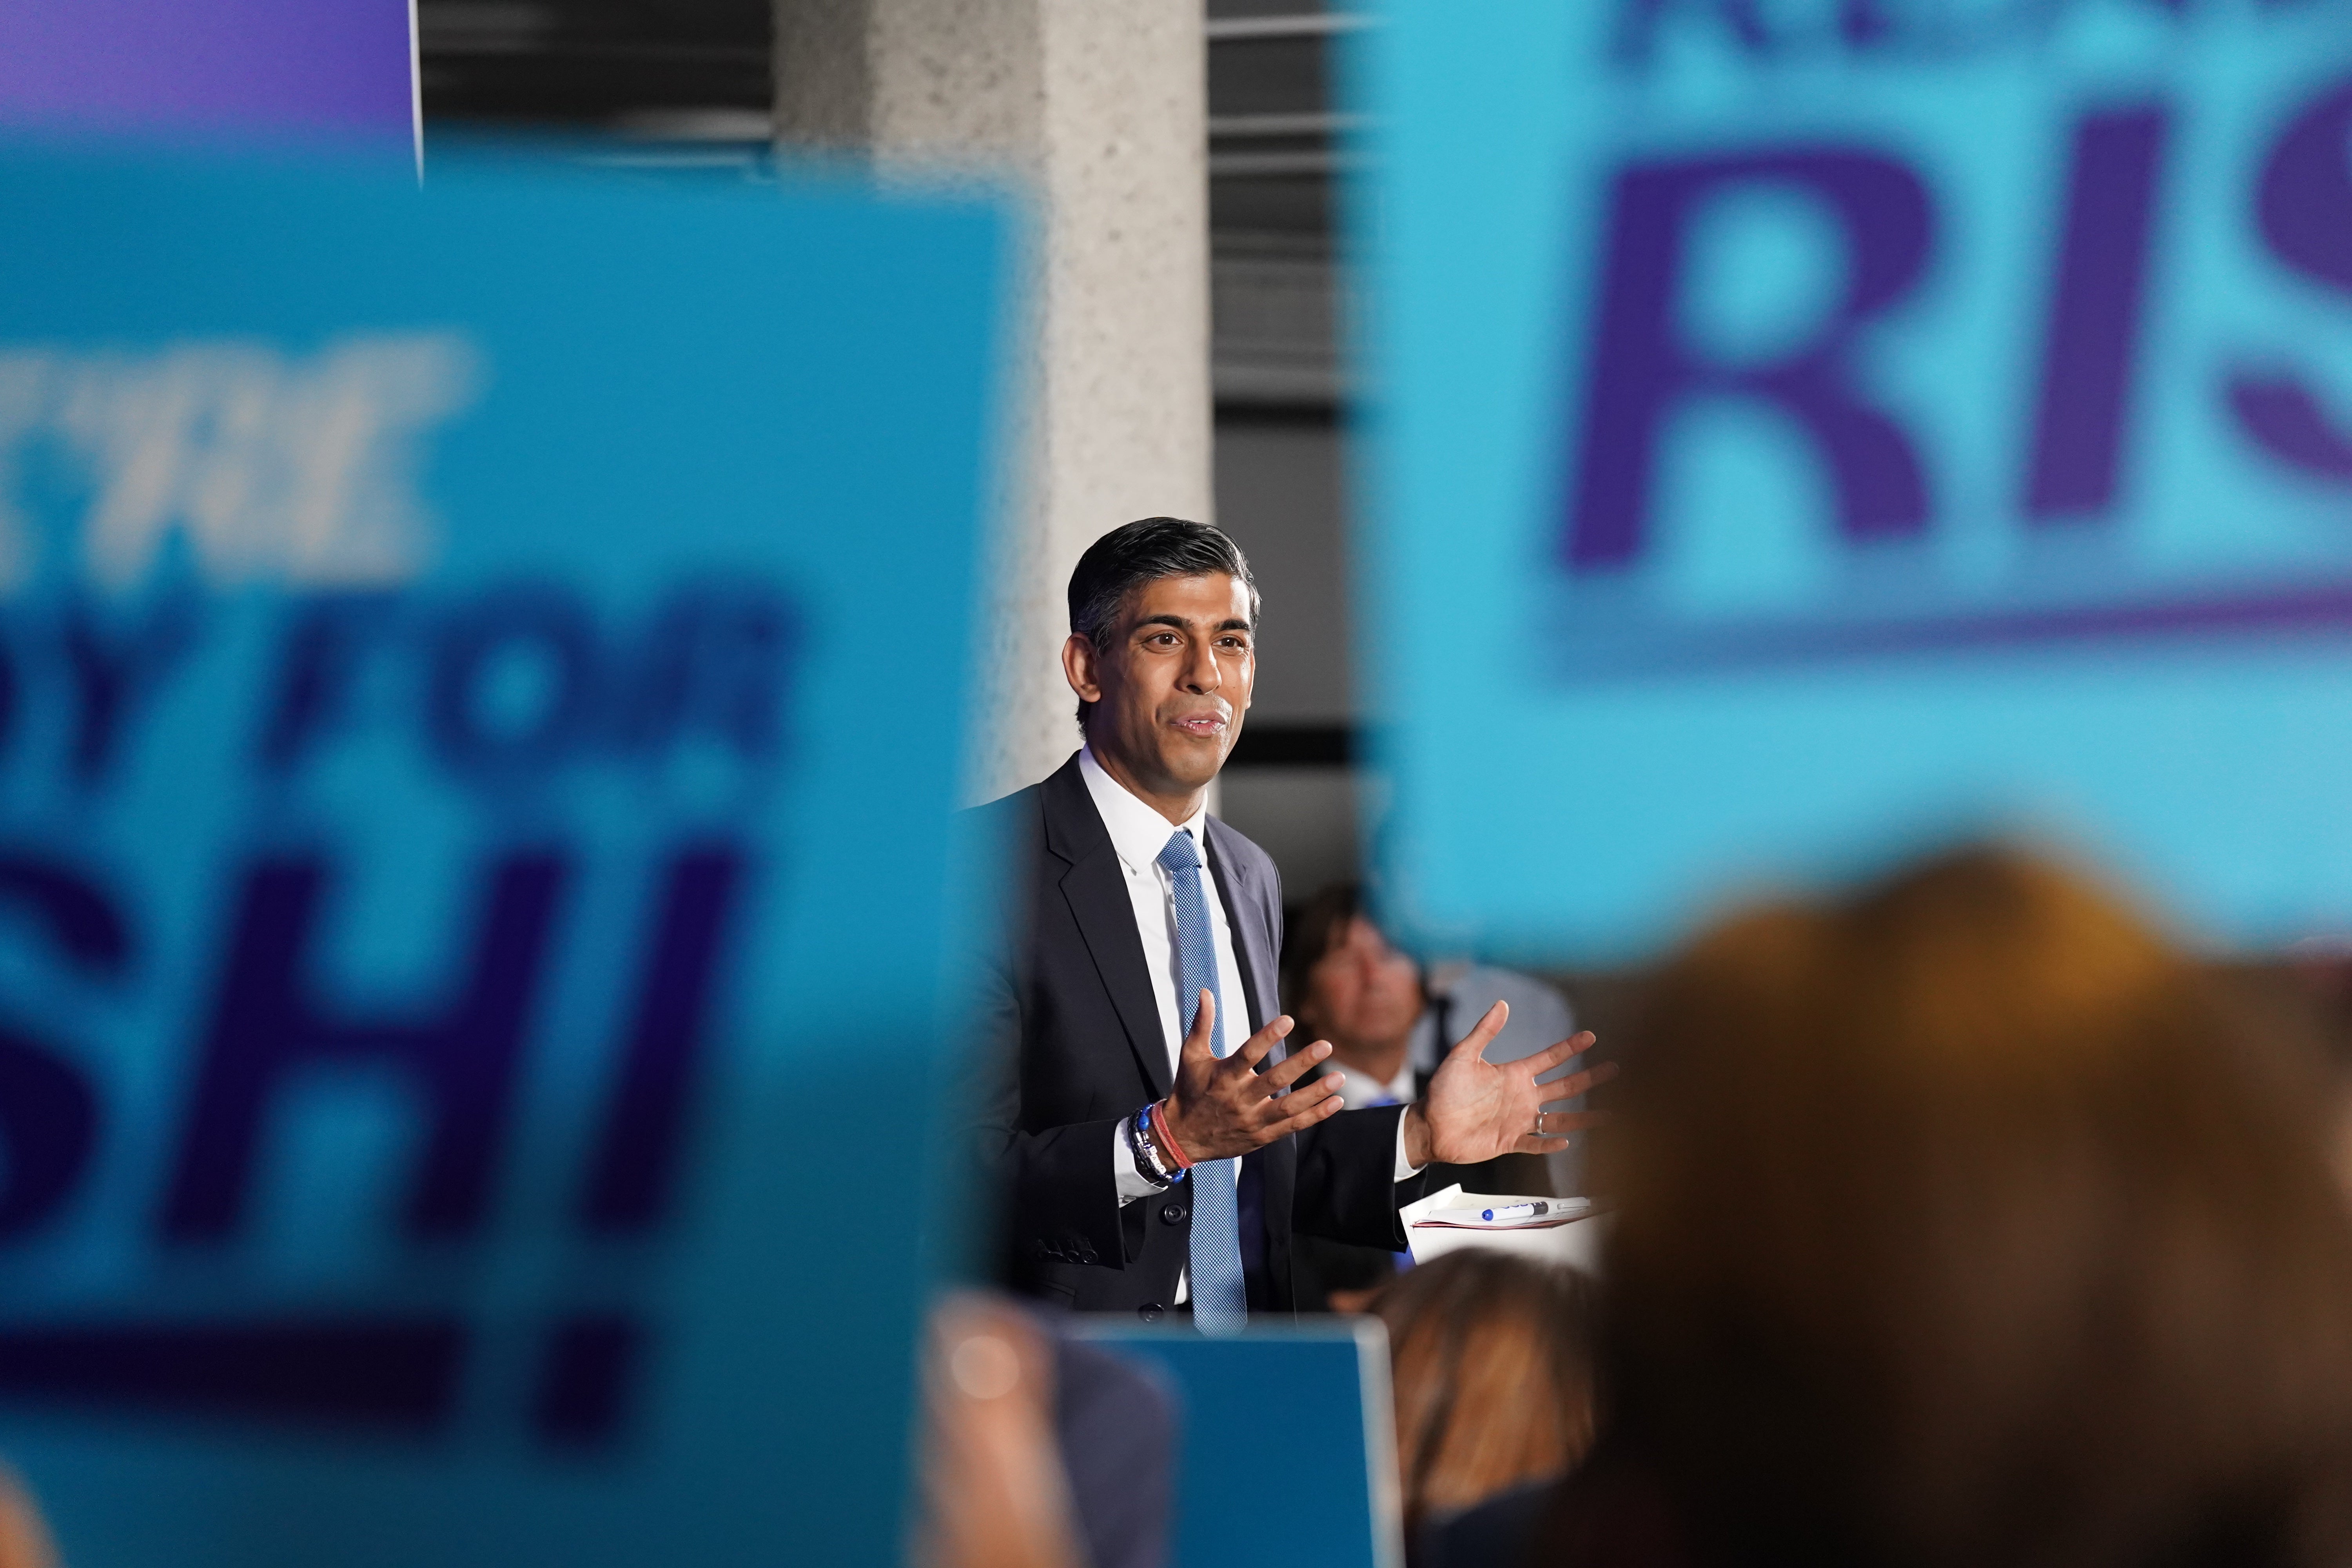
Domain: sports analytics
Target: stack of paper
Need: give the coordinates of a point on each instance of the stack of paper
(1555, 1230)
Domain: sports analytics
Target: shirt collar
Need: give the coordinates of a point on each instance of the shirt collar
(1401, 1090)
(1138, 832)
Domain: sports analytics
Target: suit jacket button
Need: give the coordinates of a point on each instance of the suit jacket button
(1171, 1214)
(1151, 1311)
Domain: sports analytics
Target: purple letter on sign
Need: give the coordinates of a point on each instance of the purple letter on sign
(1641, 368)
(2305, 214)
(267, 1026)
(2086, 356)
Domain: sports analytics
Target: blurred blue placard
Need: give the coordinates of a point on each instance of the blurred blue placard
(1813, 429)
(1289, 1450)
(480, 671)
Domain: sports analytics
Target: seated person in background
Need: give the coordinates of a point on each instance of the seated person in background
(1962, 1223)
(1491, 1357)
(1389, 1027)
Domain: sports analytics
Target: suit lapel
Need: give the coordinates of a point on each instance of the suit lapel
(1096, 890)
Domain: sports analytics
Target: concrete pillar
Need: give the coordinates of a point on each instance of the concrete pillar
(1097, 108)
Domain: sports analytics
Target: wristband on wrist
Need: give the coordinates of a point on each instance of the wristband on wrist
(1167, 1140)
(1148, 1163)
(1148, 1135)
(1148, 1139)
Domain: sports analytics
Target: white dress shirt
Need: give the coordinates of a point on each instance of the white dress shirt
(1137, 833)
(1401, 1090)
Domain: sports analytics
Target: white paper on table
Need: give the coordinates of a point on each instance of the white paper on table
(1546, 1239)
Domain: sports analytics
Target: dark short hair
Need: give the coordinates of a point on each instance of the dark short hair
(1145, 551)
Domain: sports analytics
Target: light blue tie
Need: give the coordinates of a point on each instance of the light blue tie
(1219, 1306)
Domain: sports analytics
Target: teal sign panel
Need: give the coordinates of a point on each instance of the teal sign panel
(1808, 430)
(1317, 1395)
(480, 674)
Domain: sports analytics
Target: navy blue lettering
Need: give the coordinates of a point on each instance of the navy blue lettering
(584, 1379)
(7, 691)
(635, 1167)
(2093, 336)
(717, 661)
(544, 623)
(1763, 29)
(2304, 210)
(519, 681)
(113, 670)
(321, 662)
(266, 1024)
(1642, 369)
(389, 1374)
(48, 1114)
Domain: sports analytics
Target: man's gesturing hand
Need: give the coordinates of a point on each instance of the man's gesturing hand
(1476, 1110)
(1223, 1108)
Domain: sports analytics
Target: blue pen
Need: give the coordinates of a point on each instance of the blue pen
(1514, 1211)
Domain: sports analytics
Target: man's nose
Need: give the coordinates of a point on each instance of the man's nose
(1200, 671)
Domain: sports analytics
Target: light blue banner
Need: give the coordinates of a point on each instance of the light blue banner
(1811, 430)
(479, 678)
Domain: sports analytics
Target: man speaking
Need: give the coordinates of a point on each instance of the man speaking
(1154, 1149)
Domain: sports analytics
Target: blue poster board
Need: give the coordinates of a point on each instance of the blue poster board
(1289, 1448)
(479, 678)
(1807, 433)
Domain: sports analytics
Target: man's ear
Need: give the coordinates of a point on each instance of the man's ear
(1080, 667)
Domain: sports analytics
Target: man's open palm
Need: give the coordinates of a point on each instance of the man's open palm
(1476, 1110)
(1223, 1107)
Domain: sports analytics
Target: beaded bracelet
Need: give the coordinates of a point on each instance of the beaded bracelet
(1150, 1163)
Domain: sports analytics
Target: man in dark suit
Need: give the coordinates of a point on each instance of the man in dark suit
(1155, 1146)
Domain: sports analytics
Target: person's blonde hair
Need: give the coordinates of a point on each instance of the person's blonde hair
(1967, 1222)
(1491, 1357)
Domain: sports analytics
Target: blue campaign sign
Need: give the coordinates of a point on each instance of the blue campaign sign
(1809, 430)
(1312, 1400)
(480, 678)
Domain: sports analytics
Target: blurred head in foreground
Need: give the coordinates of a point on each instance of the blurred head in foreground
(1492, 1363)
(24, 1536)
(995, 1494)
(1967, 1222)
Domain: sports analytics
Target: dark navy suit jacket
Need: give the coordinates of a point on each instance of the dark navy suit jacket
(1076, 1044)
